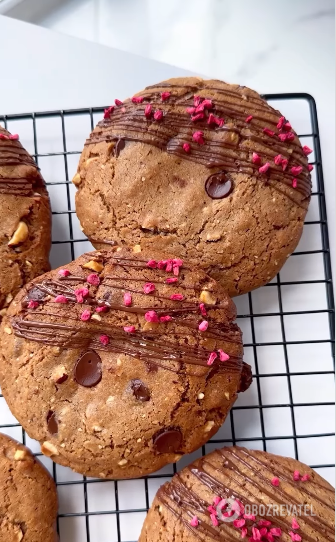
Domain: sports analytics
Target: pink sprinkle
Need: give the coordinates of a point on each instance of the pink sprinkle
(211, 358)
(165, 96)
(194, 521)
(108, 112)
(296, 170)
(216, 500)
(191, 110)
(278, 160)
(239, 523)
(276, 531)
(199, 137)
(295, 524)
(223, 356)
(162, 264)
(102, 309)
(197, 117)
(264, 523)
(169, 266)
(165, 318)
(228, 514)
(256, 158)
(212, 119)
(203, 325)
(244, 532)
(268, 132)
(3, 136)
(295, 537)
(238, 507)
(263, 531)
(127, 299)
(118, 102)
(270, 537)
(34, 304)
(249, 118)
(104, 340)
(281, 122)
(129, 329)
(256, 533)
(211, 509)
(307, 150)
(148, 110)
(86, 315)
(158, 115)
(214, 520)
(177, 262)
(275, 481)
(294, 183)
(80, 293)
(137, 99)
(60, 299)
(151, 316)
(284, 164)
(305, 478)
(203, 309)
(171, 280)
(296, 476)
(207, 104)
(149, 287)
(286, 137)
(64, 272)
(186, 147)
(310, 167)
(287, 126)
(264, 168)
(250, 516)
(177, 297)
(14, 136)
(197, 100)
(152, 264)
(93, 279)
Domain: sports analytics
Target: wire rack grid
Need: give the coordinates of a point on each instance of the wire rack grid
(288, 328)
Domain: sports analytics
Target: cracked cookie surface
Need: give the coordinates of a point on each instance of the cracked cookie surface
(28, 498)
(25, 227)
(123, 361)
(202, 169)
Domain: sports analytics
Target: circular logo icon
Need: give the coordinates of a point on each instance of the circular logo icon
(227, 510)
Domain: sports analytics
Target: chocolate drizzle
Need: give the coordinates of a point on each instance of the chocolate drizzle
(245, 475)
(54, 325)
(228, 147)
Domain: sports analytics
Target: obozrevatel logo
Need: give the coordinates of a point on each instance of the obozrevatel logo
(229, 509)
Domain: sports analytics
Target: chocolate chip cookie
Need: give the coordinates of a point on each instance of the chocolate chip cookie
(25, 226)
(200, 168)
(28, 498)
(236, 493)
(123, 361)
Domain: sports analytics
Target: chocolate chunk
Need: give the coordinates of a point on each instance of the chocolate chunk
(168, 441)
(218, 185)
(35, 294)
(88, 369)
(119, 146)
(62, 379)
(52, 422)
(246, 378)
(140, 390)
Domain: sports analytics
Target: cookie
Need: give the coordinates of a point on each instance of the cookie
(202, 169)
(123, 362)
(28, 497)
(236, 493)
(25, 226)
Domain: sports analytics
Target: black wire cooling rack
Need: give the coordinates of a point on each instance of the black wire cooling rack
(283, 360)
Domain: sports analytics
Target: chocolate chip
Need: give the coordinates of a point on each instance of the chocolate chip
(218, 185)
(62, 379)
(140, 390)
(246, 378)
(52, 422)
(119, 146)
(168, 441)
(88, 369)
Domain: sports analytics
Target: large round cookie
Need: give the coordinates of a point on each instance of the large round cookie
(204, 169)
(105, 364)
(236, 493)
(28, 498)
(25, 225)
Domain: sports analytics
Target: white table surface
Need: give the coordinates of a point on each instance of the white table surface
(43, 70)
